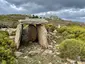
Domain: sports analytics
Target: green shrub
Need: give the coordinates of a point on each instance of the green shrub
(72, 48)
(3, 34)
(4, 62)
(62, 29)
(50, 27)
(70, 36)
(81, 36)
(7, 47)
(69, 32)
(65, 33)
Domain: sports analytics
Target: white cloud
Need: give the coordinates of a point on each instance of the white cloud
(70, 14)
(7, 8)
(17, 8)
(76, 14)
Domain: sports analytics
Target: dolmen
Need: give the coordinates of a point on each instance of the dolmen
(36, 30)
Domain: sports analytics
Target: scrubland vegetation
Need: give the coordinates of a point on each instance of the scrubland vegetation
(7, 47)
(71, 41)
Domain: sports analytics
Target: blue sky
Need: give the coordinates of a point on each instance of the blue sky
(65, 9)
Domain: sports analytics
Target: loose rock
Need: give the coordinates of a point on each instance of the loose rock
(17, 54)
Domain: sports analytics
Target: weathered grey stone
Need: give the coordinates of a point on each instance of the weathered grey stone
(25, 57)
(34, 52)
(50, 63)
(12, 37)
(3, 29)
(59, 25)
(39, 62)
(17, 54)
(42, 36)
(34, 21)
(54, 31)
(10, 30)
(18, 35)
(50, 46)
(72, 61)
(79, 62)
(32, 33)
(25, 34)
(47, 52)
(54, 41)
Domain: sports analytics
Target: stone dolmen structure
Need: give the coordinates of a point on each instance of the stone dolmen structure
(36, 30)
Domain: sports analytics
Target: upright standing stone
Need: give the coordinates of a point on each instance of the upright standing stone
(18, 35)
(32, 33)
(42, 36)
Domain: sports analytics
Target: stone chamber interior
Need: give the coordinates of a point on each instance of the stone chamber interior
(29, 34)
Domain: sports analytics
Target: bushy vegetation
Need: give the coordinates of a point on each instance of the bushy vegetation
(50, 27)
(7, 47)
(73, 43)
(69, 32)
(72, 48)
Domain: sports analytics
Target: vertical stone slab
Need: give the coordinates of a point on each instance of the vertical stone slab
(32, 33)
(18, 35)
(42, 36)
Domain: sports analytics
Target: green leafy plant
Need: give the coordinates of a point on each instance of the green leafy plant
(7, 47)
(72, 48)
(50, 27)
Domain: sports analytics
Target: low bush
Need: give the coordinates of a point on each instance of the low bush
(72, 48)
(4, 34)
(50, 27)
(7, 47)
(69, 32)
(62, 29)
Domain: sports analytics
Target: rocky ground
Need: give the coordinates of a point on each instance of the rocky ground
(33, 53)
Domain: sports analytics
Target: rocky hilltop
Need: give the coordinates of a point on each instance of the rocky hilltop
(65, 38)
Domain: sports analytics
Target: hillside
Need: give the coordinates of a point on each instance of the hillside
(66, 42)
(11, 20)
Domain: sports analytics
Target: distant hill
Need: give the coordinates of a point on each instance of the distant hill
(11, 20)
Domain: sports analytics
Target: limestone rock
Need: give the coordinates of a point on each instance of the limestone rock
(3, 29)
(42, 36)
(25, 35)
(79, 62)
(32, 53)
(34, 21)
(25, 57)
(72, 61)
(50, 63)
(17, 54)
(10, 30)
(32, 33)
(47, 52)
(55, 31)
(12, 37)
(59, 25)
(18, 35)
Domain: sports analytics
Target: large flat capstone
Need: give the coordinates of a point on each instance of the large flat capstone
(34, 21)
